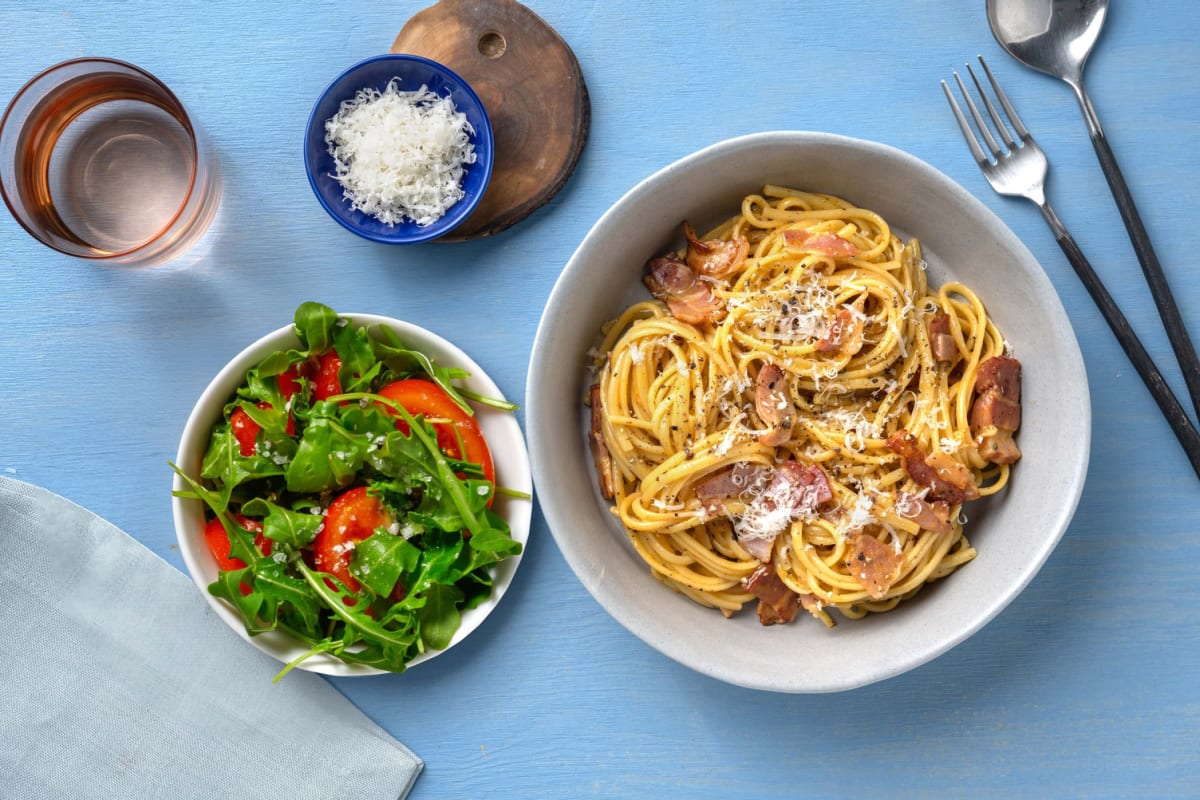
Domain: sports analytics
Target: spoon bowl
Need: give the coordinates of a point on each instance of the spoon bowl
(1051, 36)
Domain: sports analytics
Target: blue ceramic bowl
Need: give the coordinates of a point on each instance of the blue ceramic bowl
(413, 72)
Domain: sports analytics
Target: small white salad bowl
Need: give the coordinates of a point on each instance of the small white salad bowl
(500, 428)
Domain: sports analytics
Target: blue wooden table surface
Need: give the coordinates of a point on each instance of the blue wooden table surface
(1088, 685)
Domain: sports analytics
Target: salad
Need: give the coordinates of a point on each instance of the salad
(349, 492)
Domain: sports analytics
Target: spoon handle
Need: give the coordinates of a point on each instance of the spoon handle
(1177, 332)
(1176, 416)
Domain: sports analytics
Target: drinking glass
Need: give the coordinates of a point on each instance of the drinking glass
(100, 160)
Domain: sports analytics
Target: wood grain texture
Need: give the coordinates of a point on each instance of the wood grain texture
(1087, 686)
(532, 88)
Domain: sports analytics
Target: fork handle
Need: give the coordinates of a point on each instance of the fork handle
(1185, 432)
(1177, 332)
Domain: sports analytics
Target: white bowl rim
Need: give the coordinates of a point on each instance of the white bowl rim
(500, 427)
(593, 574)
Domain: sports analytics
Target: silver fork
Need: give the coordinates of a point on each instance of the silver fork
(1018, 169)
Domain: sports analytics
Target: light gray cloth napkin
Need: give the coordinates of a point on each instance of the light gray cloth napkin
(117, 680)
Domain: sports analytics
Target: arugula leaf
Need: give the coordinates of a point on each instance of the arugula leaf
(359, 364)
(372, 422)
(394, 349)
(273, 420)
(218, 501)
(347, 606)
(282, 590)
(485, 400)
(423, 432)
(278, 362)
(380, 560)
(476, 587)
(490, 546)
(440, 553)
(327, 458)
(228, 587)
(224, 463)
(408, 361)
(440, 508)
(260, 388)
(440, 616)
(314, 326)
(283, 525)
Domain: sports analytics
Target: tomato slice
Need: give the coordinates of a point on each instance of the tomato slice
(289, 382)
(326, 384)
(351, 517)
(427, 398)
(245, 430)
(217, 540)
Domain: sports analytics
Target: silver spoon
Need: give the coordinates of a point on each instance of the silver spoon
(1056, 37)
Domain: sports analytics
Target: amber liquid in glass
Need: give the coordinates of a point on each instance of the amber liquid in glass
(108, 164)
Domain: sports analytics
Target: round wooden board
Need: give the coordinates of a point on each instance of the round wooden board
(533, 90)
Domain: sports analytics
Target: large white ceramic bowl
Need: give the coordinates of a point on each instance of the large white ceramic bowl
(1014, 532)
(500, 428)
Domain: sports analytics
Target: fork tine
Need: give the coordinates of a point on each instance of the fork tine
(991, 109)
(979, 121)
(1008, 109)
(968, 134)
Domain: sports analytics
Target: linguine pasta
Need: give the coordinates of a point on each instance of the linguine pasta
(792, 419)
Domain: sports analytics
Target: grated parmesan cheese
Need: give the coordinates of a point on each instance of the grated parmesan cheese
(400, 155)
(860, 514)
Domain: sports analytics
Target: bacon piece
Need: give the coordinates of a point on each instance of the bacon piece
(773, 402)
(776, 602)
(996, 412)
(773, 499)
(953, 472)
(940, 340)
(812, 604)
(992, 409)
(998, 447)
(792, 487)
(728, 484)
(794, 491)
(716, 258)
(943, 483)
(874, 564)
(845, 333)
(1002, 373)
(760, 547)
(600, 454)
(935, 517)
(822, 243)
(689, 299)
(803, 488)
